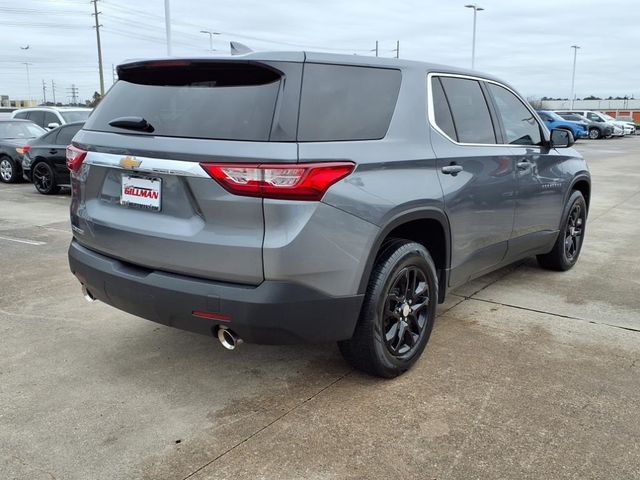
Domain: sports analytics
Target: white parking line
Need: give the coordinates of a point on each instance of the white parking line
(22, 240)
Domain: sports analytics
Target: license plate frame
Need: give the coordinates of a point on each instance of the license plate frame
(141, 192)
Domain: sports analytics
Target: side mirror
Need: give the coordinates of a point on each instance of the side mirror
(561, 138)
(53, 125)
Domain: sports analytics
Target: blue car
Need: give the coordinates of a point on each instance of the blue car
(553, 120)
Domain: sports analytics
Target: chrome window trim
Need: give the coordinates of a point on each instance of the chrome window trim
(148, 165)
(431, 113)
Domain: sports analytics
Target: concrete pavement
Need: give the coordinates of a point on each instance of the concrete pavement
(528, 374)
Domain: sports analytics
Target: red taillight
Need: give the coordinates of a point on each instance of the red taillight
(75, 156)
(301, 181)
(24, 149)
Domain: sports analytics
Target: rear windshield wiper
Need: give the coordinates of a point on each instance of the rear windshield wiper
(132, 123)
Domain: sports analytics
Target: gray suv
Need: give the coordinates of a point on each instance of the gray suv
(307, 197)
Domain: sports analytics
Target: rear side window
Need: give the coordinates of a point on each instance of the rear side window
(228, 101)
(346, 102)
(469, 109)
(520, 126)
(22, 115)
(65, 134)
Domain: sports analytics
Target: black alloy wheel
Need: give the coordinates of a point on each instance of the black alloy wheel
(44, 179)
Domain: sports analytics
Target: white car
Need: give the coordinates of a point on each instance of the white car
(52, 117)
(629, 127)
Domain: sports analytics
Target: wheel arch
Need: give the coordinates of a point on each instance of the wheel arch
(428, 226)
(582, 183)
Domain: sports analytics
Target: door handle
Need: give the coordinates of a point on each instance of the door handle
(53, 151)
(523, 165)
(452, 169)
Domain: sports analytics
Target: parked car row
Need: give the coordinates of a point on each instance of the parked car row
(29, 152)
(596, 124)
(33, 144)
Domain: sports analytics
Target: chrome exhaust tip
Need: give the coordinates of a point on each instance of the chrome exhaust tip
(228, 339)
(87, 295)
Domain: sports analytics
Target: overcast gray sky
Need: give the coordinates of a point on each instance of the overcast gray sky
(527, 43)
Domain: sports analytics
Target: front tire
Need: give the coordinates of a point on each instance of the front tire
(568, 246)
(398, 312)
(8, 170)
(594, 133)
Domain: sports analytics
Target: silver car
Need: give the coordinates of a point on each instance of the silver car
(308, 197)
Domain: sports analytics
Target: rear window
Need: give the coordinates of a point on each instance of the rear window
(227, 101)
(346, 102)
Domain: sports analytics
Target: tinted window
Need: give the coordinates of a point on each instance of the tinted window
(520, 126)
(469, 109)
(441, 110)
(593, 117)
(48, 138)
(65, 134)
(22, 115)
(75, 115)
(218, 101)
(36, 117)
(50, 117)
(346, 102)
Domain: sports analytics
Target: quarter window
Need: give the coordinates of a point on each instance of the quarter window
(520, 126)
(469, 110)
(441, 110)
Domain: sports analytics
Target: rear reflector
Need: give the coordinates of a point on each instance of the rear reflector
(75, 156)
(212, 316)
(306, 181)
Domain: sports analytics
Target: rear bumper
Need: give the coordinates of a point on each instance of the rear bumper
(271, 313)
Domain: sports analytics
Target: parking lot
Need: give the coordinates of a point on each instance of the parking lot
(528, 374)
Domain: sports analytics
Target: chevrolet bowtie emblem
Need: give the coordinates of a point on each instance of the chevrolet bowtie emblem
(130, 162)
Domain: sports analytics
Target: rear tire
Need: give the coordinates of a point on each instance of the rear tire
(9, 171)
(44, 178)
(398, 311)
(566, 250)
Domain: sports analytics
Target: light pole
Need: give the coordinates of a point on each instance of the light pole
(26, 64)
(573, 75)
(476, 9)
(211, 34)
(167, 25)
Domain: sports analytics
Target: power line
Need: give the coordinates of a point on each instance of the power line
(74, 93)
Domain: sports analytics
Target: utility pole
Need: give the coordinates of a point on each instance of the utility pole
(74, 93)
(26, 64)
(97, 27)
(573, 75)
(167, 25)
(211, 34)
(44, 92)
(476, 9)
(375, 49)
(53, 91)
(397, 49)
